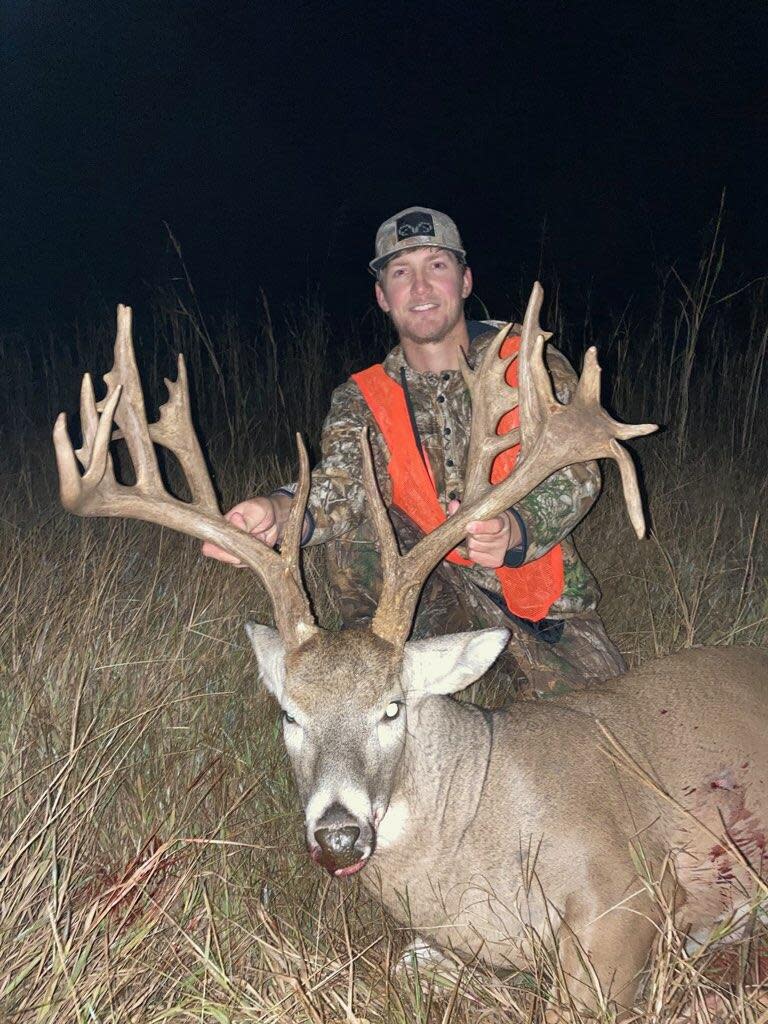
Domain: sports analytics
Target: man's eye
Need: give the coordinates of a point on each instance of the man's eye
(289, 719)
(392, 709)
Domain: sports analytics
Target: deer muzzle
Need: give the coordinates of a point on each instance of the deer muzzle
(342, 846)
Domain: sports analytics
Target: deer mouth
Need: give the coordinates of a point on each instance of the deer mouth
(340, 865)
(352, 869)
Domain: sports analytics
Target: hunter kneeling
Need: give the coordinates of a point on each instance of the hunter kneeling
(523, 571)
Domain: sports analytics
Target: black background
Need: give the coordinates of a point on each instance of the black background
(274, 138)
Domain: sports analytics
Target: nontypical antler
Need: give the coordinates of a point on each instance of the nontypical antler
(551, 436)
(490, 401)
(96, 492)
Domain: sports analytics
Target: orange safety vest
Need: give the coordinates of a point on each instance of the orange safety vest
(529, 590)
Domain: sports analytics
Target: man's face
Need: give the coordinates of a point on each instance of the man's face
(423, 290)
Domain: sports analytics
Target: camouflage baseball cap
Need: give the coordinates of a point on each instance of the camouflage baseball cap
(411, 229)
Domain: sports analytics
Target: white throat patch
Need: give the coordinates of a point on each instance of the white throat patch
(393, 824)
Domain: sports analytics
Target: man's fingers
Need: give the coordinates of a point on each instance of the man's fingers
(488, 540)
(261, 526)
(253, 524)
(256, 516)
(485, 543)
(482, 527)
(495, 553)
(488, 562)
(237, 519)
(212, 550)
(487, 559)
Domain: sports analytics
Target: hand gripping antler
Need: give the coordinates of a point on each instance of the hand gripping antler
(551, 436)
(96, 492)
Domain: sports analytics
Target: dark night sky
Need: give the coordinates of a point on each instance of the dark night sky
(273, 138)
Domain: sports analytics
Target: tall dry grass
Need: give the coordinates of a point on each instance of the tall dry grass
(152, 866)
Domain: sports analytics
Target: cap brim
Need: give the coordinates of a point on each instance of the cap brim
(415, 243)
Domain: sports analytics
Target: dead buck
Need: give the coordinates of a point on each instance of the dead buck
(490, 827)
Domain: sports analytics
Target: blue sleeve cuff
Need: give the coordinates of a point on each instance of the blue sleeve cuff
(515, 557)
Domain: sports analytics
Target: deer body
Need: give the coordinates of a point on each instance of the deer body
(501, 824)
(494, 809)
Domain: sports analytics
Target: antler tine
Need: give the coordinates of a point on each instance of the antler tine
(385, 534)
(89, 418)
(552, 436)
(97, 493)
(293, 615)
(398, 593)
(131, 416)
(174, 430)
(89, 421)
(490, 400)
(629, 484)
(587, 398)
(75, 490)
(536, 396)
(291, 544)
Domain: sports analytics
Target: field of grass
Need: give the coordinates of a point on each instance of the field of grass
(152, 864)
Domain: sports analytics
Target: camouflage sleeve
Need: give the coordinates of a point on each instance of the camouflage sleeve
(337, 498)
(551, 511)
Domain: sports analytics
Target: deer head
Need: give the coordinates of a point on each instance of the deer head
(346, 697)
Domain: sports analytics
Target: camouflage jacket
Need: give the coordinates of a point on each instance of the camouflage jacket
(442, 411)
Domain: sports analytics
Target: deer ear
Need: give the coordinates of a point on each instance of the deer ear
(270, 654)
(446, 664)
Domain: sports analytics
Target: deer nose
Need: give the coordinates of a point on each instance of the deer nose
(336, 834)
(337, 842)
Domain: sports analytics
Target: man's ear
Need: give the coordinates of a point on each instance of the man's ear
(270, 654)
(466, 287)
(446, 664)
(381, 298)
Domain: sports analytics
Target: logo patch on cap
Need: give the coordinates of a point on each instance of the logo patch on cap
(419, 222)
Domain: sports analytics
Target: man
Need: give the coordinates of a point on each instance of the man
(526, 574)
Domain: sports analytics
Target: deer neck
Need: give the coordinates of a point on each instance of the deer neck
(441, 771)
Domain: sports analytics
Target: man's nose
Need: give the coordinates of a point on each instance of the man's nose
(419, 283)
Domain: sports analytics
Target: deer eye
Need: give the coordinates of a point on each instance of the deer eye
(288, 719)
(392, 709)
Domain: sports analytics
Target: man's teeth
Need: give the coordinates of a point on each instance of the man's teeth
(427, 305)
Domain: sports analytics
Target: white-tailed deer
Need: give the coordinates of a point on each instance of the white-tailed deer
(489, 827)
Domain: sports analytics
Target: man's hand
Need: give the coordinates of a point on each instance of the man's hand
(263, 518)
(489, 540)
